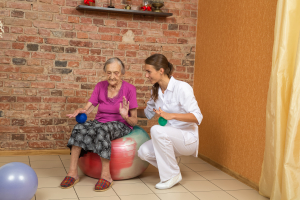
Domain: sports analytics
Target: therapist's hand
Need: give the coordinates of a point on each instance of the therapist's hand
(167, 116)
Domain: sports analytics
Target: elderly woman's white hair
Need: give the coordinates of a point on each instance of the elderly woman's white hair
(112, 60)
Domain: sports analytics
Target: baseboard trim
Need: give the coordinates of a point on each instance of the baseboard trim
(230, 172)
(36, 152)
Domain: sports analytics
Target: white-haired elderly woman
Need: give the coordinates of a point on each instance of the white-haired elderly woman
(116, 116)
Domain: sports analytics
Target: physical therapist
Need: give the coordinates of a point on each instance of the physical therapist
(173, 100)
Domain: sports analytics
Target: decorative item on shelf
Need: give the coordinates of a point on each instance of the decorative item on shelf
(111, 4)
(128, 7)
(157, 4)
(89, 2)
(146, 6)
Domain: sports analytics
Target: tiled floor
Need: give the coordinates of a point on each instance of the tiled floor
(200, 181)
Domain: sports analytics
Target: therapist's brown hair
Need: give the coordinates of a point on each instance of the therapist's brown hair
(159, 61)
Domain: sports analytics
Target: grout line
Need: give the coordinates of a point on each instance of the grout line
(206, 180)
(67, 173)
(190, 191)
(115, 192)
(149, 188)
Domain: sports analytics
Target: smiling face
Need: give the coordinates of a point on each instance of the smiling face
(113, 73)
(152, 74)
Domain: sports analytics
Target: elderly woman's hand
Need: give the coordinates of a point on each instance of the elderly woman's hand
(124, 109)
(76, 112)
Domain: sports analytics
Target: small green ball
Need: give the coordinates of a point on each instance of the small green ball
(162, 121)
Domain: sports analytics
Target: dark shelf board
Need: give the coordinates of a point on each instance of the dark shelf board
(115, 10)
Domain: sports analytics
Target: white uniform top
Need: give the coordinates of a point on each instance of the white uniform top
(178, 98)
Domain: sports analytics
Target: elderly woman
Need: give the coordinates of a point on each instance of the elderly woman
(115, 118)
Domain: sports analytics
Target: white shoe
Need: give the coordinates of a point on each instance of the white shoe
(170, 183)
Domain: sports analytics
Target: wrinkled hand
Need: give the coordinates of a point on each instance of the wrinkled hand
(76, 112)
(124, 109)
(167, 116)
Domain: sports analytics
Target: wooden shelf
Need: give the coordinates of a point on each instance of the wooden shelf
(114, 10)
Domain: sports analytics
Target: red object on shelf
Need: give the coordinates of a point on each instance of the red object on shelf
(146, 8)
(87, 2)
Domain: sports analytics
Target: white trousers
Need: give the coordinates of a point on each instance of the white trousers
(161, 151)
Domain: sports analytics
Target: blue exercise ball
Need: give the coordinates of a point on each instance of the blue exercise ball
(81, 118)
(18, 181)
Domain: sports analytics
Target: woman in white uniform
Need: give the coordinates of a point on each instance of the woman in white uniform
(175, 101)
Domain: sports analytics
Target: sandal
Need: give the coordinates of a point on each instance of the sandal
(102, 185)
(68, 182)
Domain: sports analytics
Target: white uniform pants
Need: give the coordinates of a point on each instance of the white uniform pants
(161, 151)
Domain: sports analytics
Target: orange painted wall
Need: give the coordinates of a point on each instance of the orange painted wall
(232, 71)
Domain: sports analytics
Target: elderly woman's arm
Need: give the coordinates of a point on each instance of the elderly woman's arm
(132, 120)
(124, 109)
(88, 108)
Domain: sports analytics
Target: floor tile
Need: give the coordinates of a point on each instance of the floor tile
(44, 157)
(191, 159)
(151, 168)
(46, 164)
(129, 189)
(231, 185)
(8, 159)
(41, 173)
(214, 195)
(4, 163)
(147, 177)
(215, 175)
(50, 182)
(80, 173)
(87, 181)
(66, 163)
(247, 195)
(139, 197)
(129, 181)
(176, 188)
(199, 186)
(65, 157)
(191, 176)
(55, 193)
(201, 167)
(102, 198)
(177, 196)
(84, 191)
(184, 168)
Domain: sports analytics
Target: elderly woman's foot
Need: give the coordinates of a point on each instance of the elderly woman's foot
(103, 184)
(74, 175)
(70, 180)
(108, 178)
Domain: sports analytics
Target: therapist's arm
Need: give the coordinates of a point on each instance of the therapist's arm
(184, 117)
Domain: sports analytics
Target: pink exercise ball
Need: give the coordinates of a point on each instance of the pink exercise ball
(124, 160)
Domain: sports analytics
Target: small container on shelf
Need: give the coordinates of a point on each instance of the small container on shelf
(157, 4)
(111, 4)
(128, 6)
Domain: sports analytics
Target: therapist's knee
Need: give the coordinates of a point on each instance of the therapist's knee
(154, 131)
(144, 152)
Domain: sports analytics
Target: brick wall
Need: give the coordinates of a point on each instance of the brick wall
(51, 57)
